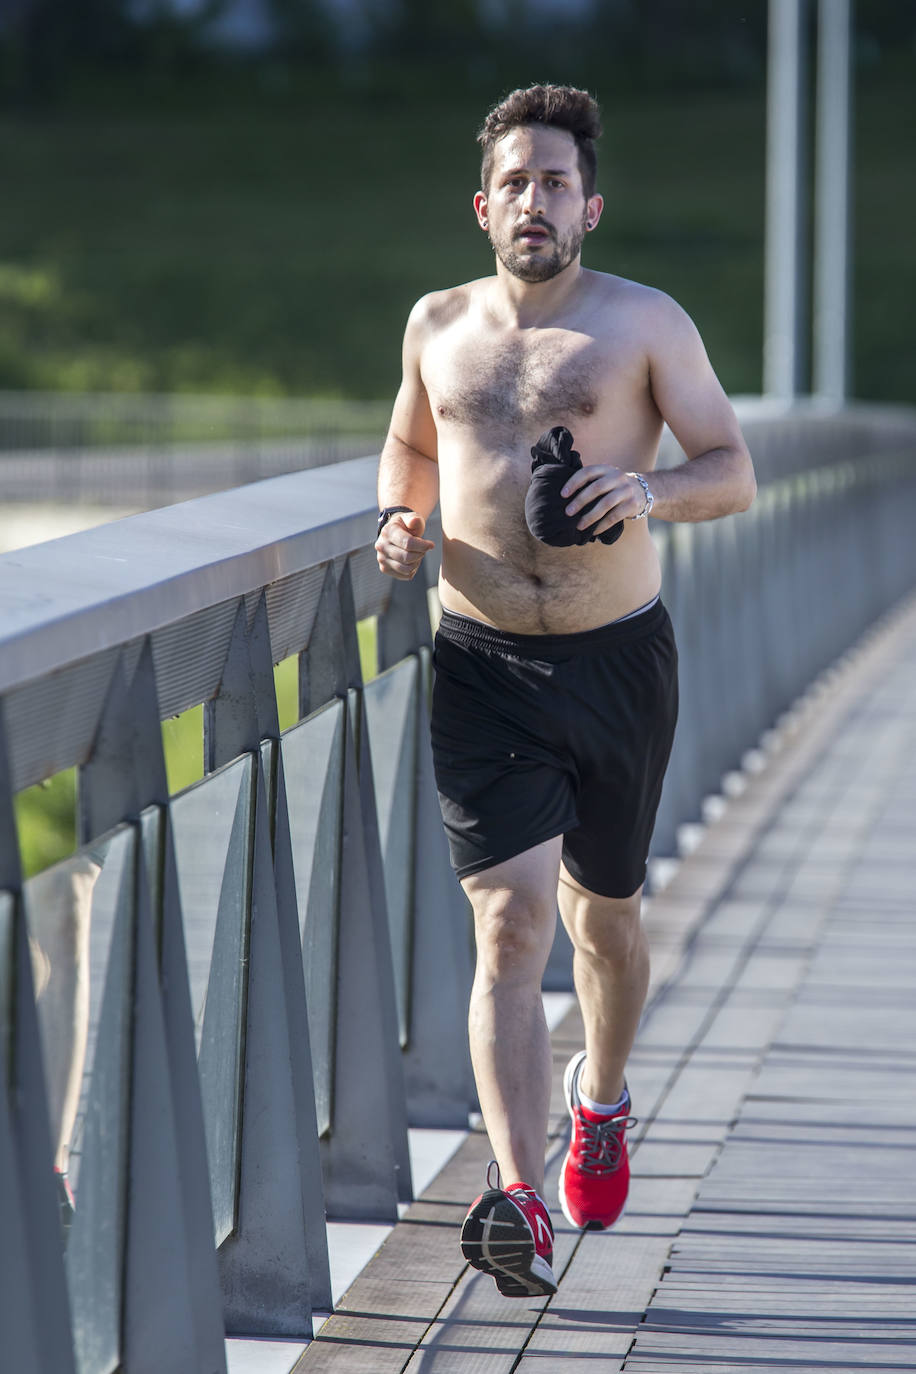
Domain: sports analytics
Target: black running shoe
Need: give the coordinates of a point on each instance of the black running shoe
(508, 1233)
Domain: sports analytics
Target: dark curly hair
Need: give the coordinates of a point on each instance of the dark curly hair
(560, 107)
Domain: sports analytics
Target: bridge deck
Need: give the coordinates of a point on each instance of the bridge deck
(772, 1216)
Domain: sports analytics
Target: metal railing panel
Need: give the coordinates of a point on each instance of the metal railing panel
(53, 721)
(318, 1269)
(34, 1307)
(159, 1322)
(378, 906)
(364, 1152)
(265, 1263)
(405, 625)
(292, 603)
(100, 1141)
(274, 1260)
(202, 1289)
(313, 768)
(189, 657)
(391, 714)
(34, 1302)
(437, 1064)
(7, 919)
(329, 664)
(212, 825)
(18, 1296)
(428, 916)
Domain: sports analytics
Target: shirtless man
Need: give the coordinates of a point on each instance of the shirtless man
(556, 678)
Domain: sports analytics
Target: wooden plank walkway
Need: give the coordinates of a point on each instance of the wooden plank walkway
(772, 1215)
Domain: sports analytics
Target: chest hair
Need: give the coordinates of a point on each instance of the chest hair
(518, 386)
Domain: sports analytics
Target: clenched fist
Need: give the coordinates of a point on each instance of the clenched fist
(400, 547)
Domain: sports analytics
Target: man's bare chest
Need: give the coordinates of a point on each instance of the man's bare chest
(529, 380)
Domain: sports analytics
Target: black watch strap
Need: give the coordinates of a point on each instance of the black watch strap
(385, 515)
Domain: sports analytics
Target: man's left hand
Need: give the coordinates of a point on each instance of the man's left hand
(617, 496)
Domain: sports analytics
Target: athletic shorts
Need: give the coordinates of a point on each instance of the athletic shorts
(542, 735)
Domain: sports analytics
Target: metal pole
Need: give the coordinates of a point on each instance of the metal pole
(785, 287)
(832, 319)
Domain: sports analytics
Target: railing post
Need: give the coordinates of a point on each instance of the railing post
(169, 1260)
(786, 218)
(34, 1301)
(832, 226)
(403, 627)
(266, 1264)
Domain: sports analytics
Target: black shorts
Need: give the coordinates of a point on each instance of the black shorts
(542, 735)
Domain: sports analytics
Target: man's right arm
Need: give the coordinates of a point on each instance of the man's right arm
(408, 467)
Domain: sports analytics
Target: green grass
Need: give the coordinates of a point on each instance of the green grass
(46, 821)
(267, 234)
(46, 813)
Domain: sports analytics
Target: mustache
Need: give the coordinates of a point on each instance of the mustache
(539, 224)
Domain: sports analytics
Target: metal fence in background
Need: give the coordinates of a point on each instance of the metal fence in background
(230, 1004)
(92, 420)
(764, 601)
(145, 451)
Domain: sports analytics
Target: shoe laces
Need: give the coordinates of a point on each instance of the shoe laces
(602, 1142)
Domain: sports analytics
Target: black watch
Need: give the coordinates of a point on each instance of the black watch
(385, 515)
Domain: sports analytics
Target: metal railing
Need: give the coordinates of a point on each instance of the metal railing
(93, 420)
(228, 1006)
(141, 451)
(764, 601)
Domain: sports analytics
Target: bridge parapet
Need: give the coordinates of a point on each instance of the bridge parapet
(231, 1002)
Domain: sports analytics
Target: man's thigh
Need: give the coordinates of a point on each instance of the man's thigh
(504, 778)
(624, 730)
(515, 907)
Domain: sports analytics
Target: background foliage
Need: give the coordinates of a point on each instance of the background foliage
(191, 211)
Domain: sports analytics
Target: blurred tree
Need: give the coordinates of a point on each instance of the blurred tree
(643, 42)
(427, 29)
(43, 39)
(43, 43)
(304, 28)
(886, 24)
(664, 43)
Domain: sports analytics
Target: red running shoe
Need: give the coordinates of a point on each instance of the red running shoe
(595, 1175)
(508, 1233)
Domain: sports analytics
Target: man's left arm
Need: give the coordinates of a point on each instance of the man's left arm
(718, 477)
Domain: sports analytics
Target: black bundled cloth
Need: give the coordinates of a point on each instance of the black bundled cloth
(553, 461)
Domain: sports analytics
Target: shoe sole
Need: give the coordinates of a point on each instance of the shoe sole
(595, 1225)
(497, 1240)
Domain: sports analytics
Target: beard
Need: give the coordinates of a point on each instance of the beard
(544, 264)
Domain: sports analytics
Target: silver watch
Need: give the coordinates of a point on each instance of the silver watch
(650, 499)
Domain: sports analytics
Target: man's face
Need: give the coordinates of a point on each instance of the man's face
(535, 211)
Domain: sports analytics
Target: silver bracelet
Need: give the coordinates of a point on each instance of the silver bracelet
(650, 499)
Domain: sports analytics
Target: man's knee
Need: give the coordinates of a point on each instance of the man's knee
(514, 934)
(515, 914)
